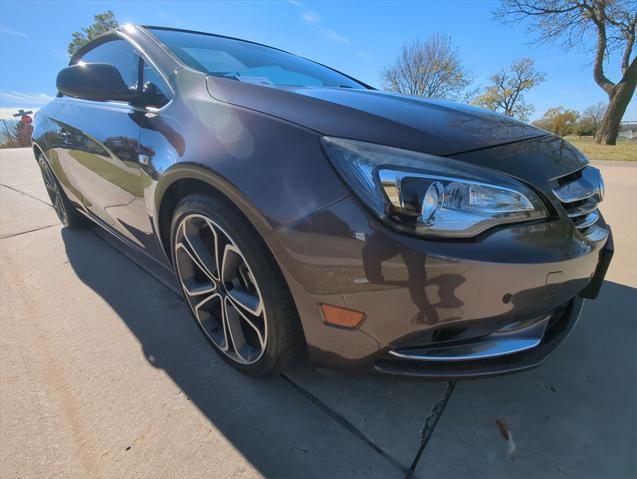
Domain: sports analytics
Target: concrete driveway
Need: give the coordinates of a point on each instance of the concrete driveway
(104, 374)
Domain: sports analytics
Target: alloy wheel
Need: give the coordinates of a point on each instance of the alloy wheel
(53, 190)
(220, 289)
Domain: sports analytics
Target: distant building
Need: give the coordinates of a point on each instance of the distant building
(628, 129)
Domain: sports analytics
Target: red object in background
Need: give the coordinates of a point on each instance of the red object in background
(24, 130)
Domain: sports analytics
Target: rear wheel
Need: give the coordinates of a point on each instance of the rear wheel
(234, 287)
(67, 213)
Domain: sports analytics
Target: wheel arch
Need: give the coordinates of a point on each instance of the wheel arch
(37, 149)
(181, 180)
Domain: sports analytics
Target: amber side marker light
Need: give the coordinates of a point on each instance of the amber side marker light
(342, 317)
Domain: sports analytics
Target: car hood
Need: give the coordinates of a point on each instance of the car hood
(433, 126)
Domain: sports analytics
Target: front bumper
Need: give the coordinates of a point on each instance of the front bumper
(558, 326)
(437, 309)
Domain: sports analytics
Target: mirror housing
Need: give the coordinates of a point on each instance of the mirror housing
(94, 81)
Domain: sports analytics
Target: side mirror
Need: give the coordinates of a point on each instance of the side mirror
(94, 81)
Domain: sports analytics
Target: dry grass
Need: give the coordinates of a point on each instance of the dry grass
(624, 150)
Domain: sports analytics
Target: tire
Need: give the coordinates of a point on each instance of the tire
(65, 210)
(233, 286)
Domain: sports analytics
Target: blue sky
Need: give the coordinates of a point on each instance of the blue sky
(359, 38)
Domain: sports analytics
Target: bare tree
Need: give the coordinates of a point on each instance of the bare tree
(595, 114)
(8, 134)
(569, 22)
(507, 89)
(430, 68)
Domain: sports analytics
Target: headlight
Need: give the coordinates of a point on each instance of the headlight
(430, 195)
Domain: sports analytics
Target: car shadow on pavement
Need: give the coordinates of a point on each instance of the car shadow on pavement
(283, 434)
(269, 422)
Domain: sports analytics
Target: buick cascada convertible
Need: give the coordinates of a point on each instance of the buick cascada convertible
(306, 213)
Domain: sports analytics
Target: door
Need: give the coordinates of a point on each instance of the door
(100, 143)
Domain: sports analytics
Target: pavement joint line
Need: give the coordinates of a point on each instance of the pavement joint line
(26, 194)
(345, 423)
(28, 231)
(430, 425)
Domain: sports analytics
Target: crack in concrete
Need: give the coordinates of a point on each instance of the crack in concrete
(429, 426)
(26, 194)
(345, 423)
(28, 231)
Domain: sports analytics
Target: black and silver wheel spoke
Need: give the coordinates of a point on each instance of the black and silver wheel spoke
(211, 315)
(239, 281)
(202, 253)
(246, 338)
(59, 207)
(221, 289)
(49, 181)
(53, 190)
(195, 279)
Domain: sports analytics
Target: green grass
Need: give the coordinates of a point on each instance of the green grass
(624, 150)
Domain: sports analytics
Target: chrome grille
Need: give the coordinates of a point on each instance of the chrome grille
(579, 193)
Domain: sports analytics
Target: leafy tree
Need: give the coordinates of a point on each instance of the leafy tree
(104, 22)
(558, 120)
(430, 68)
(569, 22)
(584, 127)
(507, 89)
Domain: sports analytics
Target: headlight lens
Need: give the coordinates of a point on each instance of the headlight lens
(429, 195)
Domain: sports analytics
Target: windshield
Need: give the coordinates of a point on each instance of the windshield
(249, 62)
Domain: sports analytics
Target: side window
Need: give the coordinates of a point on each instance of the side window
(119, 54)
(155, 91)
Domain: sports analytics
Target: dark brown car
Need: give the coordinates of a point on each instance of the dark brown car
(307, 213)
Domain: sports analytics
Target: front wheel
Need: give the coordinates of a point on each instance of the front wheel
(234, 287)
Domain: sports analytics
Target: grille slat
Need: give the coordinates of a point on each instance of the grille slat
(581, 208)
(580, 188)
(580, 193)
(586, 221)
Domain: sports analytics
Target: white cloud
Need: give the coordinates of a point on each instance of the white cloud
(364, 55)
(336, 37)
(4, 29)
(311, 16)
(20, 99)
(316, 20)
